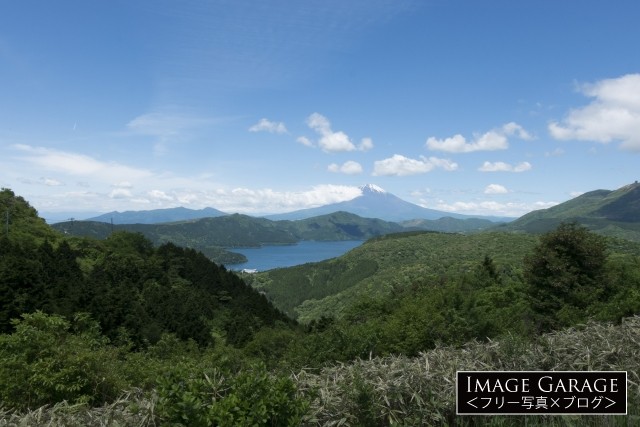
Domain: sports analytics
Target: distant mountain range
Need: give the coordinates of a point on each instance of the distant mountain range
(611, 213)
(374, 202)
(214, 235)
(157, 216)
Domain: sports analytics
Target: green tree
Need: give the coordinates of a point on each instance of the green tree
(49, 359)
(565, 275)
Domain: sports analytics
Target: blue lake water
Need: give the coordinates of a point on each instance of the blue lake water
(269, 257)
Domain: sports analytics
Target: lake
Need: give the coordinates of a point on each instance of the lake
(269, 257)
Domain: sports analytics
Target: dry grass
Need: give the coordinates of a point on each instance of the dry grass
(399, 390)
(133, 409)
(421, 391)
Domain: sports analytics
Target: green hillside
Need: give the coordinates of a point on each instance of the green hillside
(450, 225)
(382, 264)
(391, 263)
(610, 213)
(213, 236)
(190, 343)
(20, 221)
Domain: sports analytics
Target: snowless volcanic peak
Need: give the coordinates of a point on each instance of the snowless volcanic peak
(372, 188)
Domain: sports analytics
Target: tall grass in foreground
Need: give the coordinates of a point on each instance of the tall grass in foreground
(421, 391)
(405, 391)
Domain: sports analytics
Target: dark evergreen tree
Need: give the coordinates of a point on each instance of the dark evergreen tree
(565, 274)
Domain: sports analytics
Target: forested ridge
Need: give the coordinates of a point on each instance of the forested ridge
(217, 236)
(123, 330)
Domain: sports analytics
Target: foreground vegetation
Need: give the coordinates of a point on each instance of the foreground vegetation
(392, 390)
(119, 332)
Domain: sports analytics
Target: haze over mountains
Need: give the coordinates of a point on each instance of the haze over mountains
(157, 216)
(374, 202)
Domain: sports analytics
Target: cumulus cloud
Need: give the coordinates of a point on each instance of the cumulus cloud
(496, 139)
(331, 141)
(266, 125)
(504, 167)
(349, 168)
(400, 165)
(495, 189)
(612, 115)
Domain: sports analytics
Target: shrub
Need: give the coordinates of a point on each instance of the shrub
(49, 359)
(216, 397)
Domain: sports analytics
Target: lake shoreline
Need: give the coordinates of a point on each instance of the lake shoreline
(268, 257)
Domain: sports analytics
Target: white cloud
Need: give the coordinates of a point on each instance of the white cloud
(331, 141)
(265, 125)
(504, 167)
(576, 193)
(305, 141)
(77, 164)
(50, 182)
(349, 168)
(400, 165)
(159, 195)
(490, 207)
(514, 129)
(496, 139)
(495, 189)
(123, 184)
(120, 193)
(267, 200)
(366, 144)
(612, 115)
(119, 187)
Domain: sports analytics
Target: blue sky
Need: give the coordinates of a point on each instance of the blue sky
(494, 107)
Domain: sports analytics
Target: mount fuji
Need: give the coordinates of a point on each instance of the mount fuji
(375, 202)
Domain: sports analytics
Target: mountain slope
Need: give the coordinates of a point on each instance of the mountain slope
(157, 216)
(20, 221)
(135, 292)
(380, 265)
(450, 225)
(376, 203)
(210, 235)
(611, 213)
